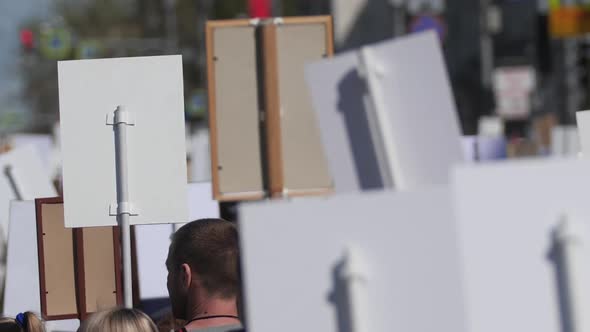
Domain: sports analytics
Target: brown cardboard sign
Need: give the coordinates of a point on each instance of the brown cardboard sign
(56, 262)
(79, 269)
(264, 138)
(236, 155)
(300, 41)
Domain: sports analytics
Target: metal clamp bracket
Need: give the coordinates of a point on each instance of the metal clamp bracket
(126, 208)
(120, 115)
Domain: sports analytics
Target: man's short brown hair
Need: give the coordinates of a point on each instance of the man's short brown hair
(210, 248)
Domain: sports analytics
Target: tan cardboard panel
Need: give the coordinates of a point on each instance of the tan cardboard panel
(234, 108)
(305, 166)
(99, 269)
(58, 263)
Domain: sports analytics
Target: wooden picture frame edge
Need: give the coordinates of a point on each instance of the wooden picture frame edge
(272, 110)
(211, 107)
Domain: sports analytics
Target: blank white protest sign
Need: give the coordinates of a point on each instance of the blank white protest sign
(290, 250)
(151, 89)
(418, 102)
(43, 143)
(29, 175)
(22, 278)
(506, 212)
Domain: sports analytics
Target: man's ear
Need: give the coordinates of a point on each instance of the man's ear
(186, 275)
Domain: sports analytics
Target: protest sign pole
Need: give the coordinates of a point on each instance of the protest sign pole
(568, 238)
(121, 120)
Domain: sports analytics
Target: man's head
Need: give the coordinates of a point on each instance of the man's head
(203, 263)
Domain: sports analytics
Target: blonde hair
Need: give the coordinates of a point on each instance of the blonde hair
(119, 320)
(31, 323)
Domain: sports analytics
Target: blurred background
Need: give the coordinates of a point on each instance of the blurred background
(516, 66)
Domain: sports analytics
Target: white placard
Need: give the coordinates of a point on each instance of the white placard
(337, 96)
(152, 242)
(417, 99)
(29, 177)
(43, 144)
(22, 278)
(506, 213)
(291, 250)
(151, 89)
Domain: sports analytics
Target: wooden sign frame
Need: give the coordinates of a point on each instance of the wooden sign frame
(269, 104)
(213, 118)
(42, 270)
(272, 101)
(77, 236)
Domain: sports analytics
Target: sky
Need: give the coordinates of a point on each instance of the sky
(12, 13)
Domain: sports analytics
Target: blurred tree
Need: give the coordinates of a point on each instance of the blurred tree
(102, 18)
(229, 9)
(73, 21)
(107, 28)
(110, 28)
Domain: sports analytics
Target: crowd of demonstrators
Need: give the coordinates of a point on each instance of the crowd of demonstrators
(203, 284)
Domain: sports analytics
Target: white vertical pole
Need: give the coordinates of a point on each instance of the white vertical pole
(569, 242)
(354, 275)
(123, 206)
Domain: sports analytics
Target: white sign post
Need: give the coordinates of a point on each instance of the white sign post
(570, 239)
(135, 165)
(122, 119)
